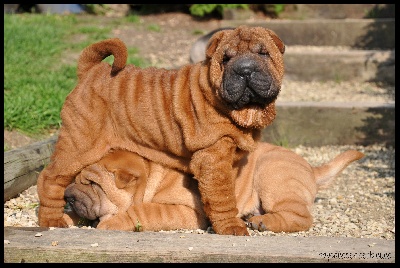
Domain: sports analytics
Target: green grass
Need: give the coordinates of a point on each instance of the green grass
(154, 27)
(36, 79)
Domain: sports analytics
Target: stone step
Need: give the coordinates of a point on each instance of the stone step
(327, 123)
(305, 63)
(358, 33)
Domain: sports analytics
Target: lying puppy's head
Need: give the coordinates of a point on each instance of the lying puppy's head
(118, 173)
(246, 68)
(89, 201)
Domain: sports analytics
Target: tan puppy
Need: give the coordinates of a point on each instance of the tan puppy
(199, 119)
(275, 190)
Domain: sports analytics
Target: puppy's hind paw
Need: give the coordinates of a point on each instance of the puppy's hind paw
(257, 223)
(260, 226)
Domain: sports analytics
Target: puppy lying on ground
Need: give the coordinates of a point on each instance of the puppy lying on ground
(199, 119)
(275, 190)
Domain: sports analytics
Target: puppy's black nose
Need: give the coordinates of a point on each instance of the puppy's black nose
(244, 67)
(70, 199)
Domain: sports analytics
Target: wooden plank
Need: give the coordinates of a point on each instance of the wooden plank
(93, 245)
(22, 166)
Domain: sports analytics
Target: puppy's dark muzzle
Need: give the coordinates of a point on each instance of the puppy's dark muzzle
(80, 201)
(247, 81)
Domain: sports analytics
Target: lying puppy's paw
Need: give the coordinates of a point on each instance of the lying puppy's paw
(256, 223)
(120, 222)
(231, 226)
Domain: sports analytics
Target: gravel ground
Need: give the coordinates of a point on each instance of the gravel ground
(360, 203)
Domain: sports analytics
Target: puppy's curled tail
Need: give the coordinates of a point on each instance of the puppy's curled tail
(95, 53)
(326, 173)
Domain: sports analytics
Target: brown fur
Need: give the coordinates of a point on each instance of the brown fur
(275, 190)
(198, 119)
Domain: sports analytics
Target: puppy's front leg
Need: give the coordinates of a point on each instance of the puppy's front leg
(51, 210)
(212, 167)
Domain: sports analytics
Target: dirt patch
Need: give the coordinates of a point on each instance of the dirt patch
(14, 139)
(164, 40)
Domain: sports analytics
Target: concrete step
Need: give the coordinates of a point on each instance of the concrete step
(327, 123)
(357, 33)
(305, 63)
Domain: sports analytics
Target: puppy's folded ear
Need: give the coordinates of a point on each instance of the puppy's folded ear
(125, 178)
(278, 42)
(213, 43)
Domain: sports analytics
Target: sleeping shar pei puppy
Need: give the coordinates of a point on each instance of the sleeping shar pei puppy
(199, 119)
(275, 190)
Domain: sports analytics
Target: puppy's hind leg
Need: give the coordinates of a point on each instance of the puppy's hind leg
(290, 216)
(286, 187)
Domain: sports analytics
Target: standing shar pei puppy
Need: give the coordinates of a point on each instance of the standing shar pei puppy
(198, 119)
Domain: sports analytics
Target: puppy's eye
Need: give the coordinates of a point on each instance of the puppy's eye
(263, 54)
(225, 59)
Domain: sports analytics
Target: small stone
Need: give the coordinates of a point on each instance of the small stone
(333, 201)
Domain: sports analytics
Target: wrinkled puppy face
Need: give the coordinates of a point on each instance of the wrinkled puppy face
(246, 69)
(89, 201)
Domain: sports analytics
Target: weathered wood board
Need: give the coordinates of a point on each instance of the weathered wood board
(22, 166)
(93, 245)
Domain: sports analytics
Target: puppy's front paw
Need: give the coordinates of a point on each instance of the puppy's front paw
(233, 226)
(53, 217)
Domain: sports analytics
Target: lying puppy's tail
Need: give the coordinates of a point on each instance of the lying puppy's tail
(95, 53)
(325, 174)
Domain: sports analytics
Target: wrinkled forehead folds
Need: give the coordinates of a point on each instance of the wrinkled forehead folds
(242, 40)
